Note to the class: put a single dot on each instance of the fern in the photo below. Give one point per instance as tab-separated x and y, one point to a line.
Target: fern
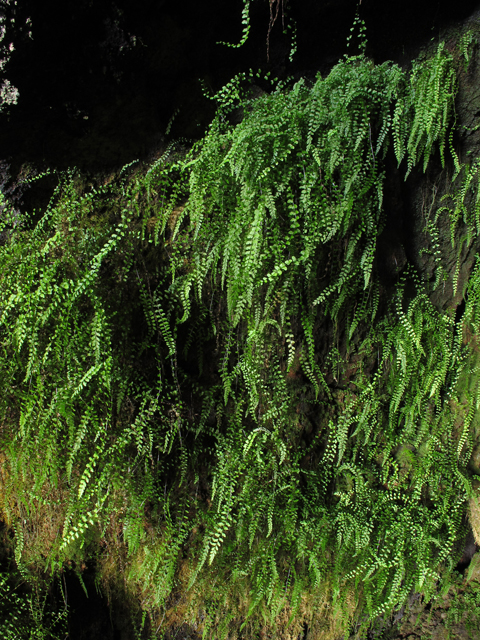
181	375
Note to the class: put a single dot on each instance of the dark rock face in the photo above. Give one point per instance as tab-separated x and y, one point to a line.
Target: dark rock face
424	194
469	550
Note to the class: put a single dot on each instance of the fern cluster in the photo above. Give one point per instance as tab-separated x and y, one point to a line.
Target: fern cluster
169	346
23	616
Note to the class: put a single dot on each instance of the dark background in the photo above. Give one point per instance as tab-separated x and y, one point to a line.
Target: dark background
100	80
